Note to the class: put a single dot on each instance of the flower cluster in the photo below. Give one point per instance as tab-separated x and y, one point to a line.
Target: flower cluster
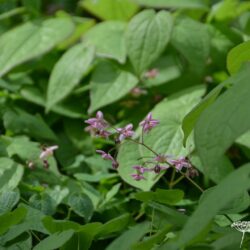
160	162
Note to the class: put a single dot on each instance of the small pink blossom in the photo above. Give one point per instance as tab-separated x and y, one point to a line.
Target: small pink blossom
105	155
125	132
48	152
162	158
180	163
137	177
141	169
98	122
137	91
115	164
148	123
151	73
157	168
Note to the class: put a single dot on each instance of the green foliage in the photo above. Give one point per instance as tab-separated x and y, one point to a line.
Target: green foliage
180	180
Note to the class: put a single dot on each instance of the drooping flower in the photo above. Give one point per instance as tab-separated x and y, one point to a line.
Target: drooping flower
140	169
125	132
115	164
162	158
105	155
158	168
148	123
137	91
48	152
192	172
180	163
98	122
151	73
137	177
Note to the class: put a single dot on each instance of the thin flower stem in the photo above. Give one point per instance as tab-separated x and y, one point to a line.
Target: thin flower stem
142	135
35	236
172	178
171	185
144	145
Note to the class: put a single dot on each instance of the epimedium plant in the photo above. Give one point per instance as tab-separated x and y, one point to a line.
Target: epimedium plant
178	70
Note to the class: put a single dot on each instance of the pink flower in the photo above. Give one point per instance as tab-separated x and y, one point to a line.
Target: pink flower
105	155
125	132
137	177
141	169
162	158
137	91
48	152
180	163
157	168
151	73
148	123
98	122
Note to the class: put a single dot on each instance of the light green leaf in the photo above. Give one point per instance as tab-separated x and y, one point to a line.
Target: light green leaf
11	218
30	40
10	174
194	48
237	56
147	36
81	205
68	72
182	4
166	138
108	39
111	9
244	140
221	124
8	200
169	197
109	83
225	192
54	241
129	237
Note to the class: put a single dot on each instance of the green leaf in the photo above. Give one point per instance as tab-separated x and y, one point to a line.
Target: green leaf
183	4
21	122
169	197
191	118
166	138
8	200
23	242
237	56
109	83
54	241
221	124
115	225
147	36
225	192
194	48
111	9
108	39
129	237
150	242
11	174
244	140
31	40
68	72
238	205
11	218
81	205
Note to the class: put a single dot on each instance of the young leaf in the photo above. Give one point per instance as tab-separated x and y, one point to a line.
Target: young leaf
108	39
30	40
109	83
111	9
68	72
147	36
54	241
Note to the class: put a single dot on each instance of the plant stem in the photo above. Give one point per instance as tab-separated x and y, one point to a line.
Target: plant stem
172	178
171	185
144	145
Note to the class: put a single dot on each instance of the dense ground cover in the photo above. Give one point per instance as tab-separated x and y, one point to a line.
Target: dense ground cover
160	88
